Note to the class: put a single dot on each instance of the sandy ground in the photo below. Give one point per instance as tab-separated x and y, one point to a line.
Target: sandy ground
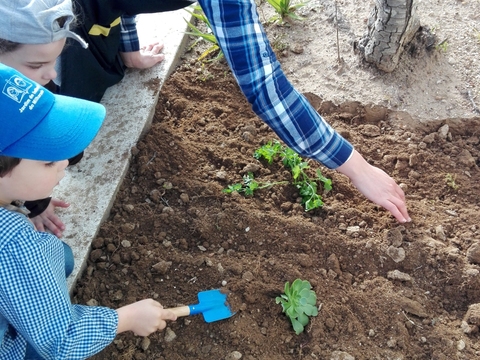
443	83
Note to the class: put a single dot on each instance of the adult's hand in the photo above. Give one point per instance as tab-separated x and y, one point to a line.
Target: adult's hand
147	57
376	185
48	220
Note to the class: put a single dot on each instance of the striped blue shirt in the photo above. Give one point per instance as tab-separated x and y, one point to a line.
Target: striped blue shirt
128	34
35	304
243	40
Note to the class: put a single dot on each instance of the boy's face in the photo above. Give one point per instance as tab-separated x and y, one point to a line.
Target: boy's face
36	62
31	180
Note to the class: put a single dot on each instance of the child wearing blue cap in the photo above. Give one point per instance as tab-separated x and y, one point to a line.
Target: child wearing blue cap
37	320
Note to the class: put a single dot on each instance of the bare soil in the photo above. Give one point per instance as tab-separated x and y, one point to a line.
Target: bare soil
385	290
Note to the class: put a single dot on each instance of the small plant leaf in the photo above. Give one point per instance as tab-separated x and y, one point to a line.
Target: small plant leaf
310	310
302	319
297	326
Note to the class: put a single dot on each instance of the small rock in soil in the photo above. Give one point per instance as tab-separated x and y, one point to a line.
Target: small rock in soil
127	228
92	302
169	335
250	168
353	231
185	198
248	276
341	355
472	316
412	307
398	275
145	343
394	237
473	253
234	355
334	264
440	233
162	266
96	254
397	254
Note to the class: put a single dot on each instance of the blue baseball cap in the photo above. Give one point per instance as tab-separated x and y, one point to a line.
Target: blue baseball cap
38	125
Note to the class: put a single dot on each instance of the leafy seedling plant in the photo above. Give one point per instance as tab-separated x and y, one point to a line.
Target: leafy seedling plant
285	9
249	185
291	160
450	180
206	36
298	303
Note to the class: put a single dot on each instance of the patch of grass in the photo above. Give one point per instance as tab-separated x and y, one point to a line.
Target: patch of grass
285	9
205	36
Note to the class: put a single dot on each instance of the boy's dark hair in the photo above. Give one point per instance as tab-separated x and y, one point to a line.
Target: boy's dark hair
7	163
7	46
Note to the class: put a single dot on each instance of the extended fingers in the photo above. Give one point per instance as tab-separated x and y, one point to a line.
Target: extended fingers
59	203
396	205
154	49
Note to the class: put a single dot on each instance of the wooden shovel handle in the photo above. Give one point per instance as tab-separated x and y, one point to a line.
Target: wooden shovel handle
181	311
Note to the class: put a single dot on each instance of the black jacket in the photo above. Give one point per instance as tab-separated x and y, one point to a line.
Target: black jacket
87	73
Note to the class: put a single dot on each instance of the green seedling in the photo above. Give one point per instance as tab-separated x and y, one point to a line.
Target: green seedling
291	160
306	186
268	151
442	46
250	185
284	10
206	36
298	303
450	180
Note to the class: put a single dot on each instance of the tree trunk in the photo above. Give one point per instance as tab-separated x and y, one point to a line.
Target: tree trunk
392	24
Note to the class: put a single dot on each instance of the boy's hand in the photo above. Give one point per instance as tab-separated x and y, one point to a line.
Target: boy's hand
147	57
48	220
143	317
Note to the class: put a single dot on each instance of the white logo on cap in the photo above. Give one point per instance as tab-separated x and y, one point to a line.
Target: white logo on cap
16	88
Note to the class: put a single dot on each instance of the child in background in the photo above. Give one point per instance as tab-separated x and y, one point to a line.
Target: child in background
37	320
132	55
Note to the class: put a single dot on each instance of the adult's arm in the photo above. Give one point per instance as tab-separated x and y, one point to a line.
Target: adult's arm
247	50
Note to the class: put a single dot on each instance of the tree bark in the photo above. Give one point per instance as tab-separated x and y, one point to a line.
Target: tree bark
391	25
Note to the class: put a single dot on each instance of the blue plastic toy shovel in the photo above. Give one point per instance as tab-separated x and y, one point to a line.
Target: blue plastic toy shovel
212	304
